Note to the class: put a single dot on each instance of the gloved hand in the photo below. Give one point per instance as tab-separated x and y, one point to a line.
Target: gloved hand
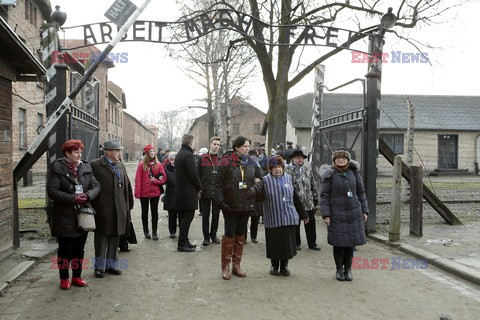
225	207
80	198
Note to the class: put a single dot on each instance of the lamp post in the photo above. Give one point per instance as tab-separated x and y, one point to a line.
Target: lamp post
370	124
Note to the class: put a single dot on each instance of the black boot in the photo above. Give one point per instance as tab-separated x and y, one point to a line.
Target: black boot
274	268
348	255
338	257
284	268
348	274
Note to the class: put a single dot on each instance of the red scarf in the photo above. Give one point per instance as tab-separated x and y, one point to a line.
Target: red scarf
72	167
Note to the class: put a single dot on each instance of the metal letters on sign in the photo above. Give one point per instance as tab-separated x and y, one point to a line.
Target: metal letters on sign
220	19
120	11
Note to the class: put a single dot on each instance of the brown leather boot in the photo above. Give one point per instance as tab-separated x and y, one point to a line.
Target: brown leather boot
237	256
227	250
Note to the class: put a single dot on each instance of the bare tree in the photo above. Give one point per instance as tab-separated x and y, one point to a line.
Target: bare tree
207	65
171	125
280	64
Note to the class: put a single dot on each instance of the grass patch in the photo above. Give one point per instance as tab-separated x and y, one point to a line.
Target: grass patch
31	203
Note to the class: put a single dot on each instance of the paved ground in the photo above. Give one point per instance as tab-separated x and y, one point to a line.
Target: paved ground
161	283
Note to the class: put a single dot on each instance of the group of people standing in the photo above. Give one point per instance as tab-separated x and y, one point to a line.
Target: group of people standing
234	183
102	185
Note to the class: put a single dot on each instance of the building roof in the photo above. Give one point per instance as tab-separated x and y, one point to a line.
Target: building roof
298	109
431	112
138	122
116	92
17	54
236	103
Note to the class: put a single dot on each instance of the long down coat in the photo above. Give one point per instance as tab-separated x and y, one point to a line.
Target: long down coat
347	227
61	190
188	180
169	198
113	205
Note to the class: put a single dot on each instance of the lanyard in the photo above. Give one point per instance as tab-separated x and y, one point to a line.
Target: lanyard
344	174
242	171
213	163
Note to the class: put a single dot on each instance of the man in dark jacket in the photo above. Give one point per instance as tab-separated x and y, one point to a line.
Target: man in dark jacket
188	191
207	169
112	208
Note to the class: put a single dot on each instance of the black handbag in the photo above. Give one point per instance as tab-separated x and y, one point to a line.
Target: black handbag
132	237
162	190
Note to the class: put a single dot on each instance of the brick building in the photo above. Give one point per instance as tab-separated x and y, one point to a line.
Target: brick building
17	63
28	112
136	136
246	121
116	104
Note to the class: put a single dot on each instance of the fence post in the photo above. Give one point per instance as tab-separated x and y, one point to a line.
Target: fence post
394	230
416	198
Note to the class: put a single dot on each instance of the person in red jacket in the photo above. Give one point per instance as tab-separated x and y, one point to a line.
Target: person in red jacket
149	178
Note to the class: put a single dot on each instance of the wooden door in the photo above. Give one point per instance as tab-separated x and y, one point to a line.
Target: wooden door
448	152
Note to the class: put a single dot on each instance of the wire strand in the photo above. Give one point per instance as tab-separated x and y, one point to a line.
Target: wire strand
423	162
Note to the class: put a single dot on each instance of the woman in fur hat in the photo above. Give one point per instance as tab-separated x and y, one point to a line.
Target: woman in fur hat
344	209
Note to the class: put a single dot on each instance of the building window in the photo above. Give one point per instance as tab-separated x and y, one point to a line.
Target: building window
32	11
22	128
256	129
35	17
236	128
27	7
394	141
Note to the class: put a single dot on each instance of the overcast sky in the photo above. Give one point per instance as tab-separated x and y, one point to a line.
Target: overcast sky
152	81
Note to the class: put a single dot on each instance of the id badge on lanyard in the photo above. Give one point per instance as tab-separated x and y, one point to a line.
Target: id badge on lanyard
78	189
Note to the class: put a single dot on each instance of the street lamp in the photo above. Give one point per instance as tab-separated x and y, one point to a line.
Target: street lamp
388	20
371	118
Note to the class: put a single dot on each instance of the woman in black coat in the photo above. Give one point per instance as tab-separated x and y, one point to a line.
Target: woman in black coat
236	174
344	209
169	196
70	184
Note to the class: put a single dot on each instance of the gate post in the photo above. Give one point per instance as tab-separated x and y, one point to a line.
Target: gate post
370	128
416	200
315	159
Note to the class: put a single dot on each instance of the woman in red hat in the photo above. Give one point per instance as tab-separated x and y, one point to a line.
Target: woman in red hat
149	178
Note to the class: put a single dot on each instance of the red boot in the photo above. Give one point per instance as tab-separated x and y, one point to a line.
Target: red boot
79	282
64	284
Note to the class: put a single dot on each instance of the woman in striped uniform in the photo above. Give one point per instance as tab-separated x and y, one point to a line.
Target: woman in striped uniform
282	209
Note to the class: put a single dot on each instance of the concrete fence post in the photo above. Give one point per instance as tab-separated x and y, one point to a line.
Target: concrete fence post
395	208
